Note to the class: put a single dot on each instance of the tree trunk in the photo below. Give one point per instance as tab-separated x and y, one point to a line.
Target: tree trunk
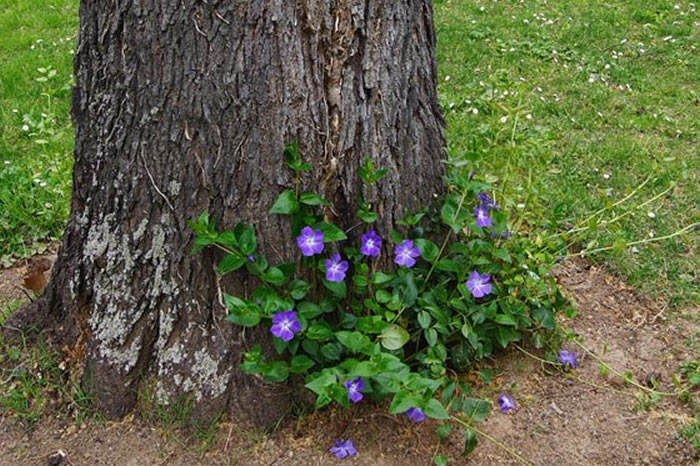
185	106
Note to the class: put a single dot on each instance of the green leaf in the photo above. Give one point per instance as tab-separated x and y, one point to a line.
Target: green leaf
440	460
394	337
403	401
431	336
285	204
354	341
321	381
319	332
274	275
370	324
339	289
408	292
229	264
242	312
505	319
470	441
298	289
330	232
300	363
275	371
428	250
382	296
443	431
291	155
332	351
244	317
545	317
246	240
435	410
506	335
424	319
366	216
364	369
309	310
381	278
476	409
312	199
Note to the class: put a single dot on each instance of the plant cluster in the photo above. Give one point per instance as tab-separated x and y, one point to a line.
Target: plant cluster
355	330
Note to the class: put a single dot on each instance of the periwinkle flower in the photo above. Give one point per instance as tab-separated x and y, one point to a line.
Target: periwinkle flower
568	358
406	253
506	403
415	414
310	241
482	216
371	243
343	449
478	284
486	201
285	325
335	268
354	388
505	234
251	258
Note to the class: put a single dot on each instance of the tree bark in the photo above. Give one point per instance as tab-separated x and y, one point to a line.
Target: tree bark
185	106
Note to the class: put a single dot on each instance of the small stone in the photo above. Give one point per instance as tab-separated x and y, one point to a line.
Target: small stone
57	458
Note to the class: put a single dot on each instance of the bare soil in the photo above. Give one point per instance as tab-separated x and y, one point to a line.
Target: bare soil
592	420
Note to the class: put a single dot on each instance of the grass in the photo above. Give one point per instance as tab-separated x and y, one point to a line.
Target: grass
33	380
36	136
568	106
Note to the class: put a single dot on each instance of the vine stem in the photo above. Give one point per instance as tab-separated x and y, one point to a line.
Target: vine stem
600	211
447	238
523	350
620	374
493	440
641	241
595	385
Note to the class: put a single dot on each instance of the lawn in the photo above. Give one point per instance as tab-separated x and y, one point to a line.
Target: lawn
567	106
572	105
36	136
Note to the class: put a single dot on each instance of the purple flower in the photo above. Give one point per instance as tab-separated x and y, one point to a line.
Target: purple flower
568	358
342	449
415	414
482	216
505	234
506	403
371	242
471	175
478	284
285	325
486	201
251	258
310	241
335	269
355	388
406	253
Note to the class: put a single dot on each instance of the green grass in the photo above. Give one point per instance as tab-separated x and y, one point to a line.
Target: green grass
600	96
32	380
569	106
36	136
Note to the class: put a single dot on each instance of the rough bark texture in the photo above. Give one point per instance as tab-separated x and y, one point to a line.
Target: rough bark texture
185	106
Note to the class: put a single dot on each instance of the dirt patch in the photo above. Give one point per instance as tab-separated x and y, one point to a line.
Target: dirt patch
27	278
561	421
